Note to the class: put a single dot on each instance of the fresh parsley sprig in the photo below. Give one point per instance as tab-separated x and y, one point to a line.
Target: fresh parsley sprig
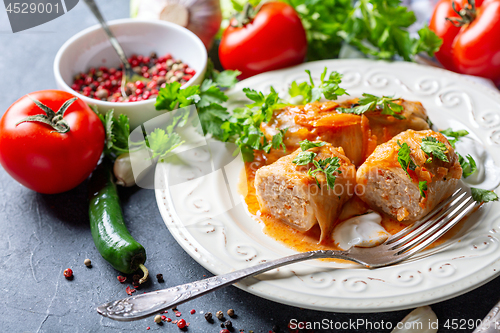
329	87
208	98
328	166
454	136
480	195
468	165
243	125
370	103
433	147
117	132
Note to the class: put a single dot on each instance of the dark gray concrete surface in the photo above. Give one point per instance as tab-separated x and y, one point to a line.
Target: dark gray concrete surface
41	235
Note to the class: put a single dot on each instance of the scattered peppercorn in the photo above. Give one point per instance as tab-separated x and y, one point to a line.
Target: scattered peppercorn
169	320
157	319
224	331
276	328
222	325
159	277
193	311
178	314
181	323
68	273
87	262
148	328
219	315
208	316
122	279
230	313
228	324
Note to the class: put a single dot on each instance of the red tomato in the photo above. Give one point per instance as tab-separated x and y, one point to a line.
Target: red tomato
43	159
473	48
273	39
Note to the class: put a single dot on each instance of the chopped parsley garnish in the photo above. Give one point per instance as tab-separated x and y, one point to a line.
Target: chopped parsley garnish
480	195
306	144
327	166
454	136
311	93
370	102
404	158
422	187
434	147
468	165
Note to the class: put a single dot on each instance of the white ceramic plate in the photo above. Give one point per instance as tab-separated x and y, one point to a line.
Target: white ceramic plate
199	202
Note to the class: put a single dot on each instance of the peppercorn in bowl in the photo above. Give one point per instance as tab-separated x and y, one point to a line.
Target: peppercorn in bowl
159	52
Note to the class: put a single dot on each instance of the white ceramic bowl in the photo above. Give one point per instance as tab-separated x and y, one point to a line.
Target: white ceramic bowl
91	48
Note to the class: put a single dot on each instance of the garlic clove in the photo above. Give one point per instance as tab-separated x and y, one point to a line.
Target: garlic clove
420	320
175	13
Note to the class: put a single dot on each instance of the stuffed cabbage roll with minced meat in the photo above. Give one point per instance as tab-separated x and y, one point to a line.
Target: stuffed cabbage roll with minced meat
307	187
409	175
357	134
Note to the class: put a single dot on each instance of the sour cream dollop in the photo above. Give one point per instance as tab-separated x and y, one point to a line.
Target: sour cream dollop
363	230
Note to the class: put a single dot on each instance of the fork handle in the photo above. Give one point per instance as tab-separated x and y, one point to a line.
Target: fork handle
141	306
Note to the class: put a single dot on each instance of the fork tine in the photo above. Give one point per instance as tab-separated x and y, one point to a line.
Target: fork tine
417	224
446	224
427	222
433	226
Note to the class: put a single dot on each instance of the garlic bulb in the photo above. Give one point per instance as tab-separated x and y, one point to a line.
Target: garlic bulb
202	17
421	320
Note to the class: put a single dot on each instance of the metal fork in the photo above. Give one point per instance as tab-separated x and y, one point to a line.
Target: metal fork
396	248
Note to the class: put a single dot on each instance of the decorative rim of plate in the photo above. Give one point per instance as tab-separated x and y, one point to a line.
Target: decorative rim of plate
426	280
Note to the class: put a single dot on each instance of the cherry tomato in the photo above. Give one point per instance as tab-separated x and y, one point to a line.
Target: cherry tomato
46	158
472	48
274	38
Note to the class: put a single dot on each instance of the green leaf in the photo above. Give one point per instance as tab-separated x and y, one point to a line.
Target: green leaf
454	136
227	79
379	28
469	166
210	93
370	102
167	97
422	186
161	142
304	158
481	196
404	158
303	89
434	147
277	140
306	144
428	42
237	6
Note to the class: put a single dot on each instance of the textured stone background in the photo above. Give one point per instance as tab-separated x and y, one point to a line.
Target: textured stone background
41	235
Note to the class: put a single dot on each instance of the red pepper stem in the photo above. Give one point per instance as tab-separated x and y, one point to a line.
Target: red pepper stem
146	273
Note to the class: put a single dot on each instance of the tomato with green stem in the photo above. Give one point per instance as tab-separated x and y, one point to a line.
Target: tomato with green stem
50	141
268	37
470	31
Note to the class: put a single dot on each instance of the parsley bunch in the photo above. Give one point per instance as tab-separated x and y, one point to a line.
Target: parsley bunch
208	99
381	30
328	166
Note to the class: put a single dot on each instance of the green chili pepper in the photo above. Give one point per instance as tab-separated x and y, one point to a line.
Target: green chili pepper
111	237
